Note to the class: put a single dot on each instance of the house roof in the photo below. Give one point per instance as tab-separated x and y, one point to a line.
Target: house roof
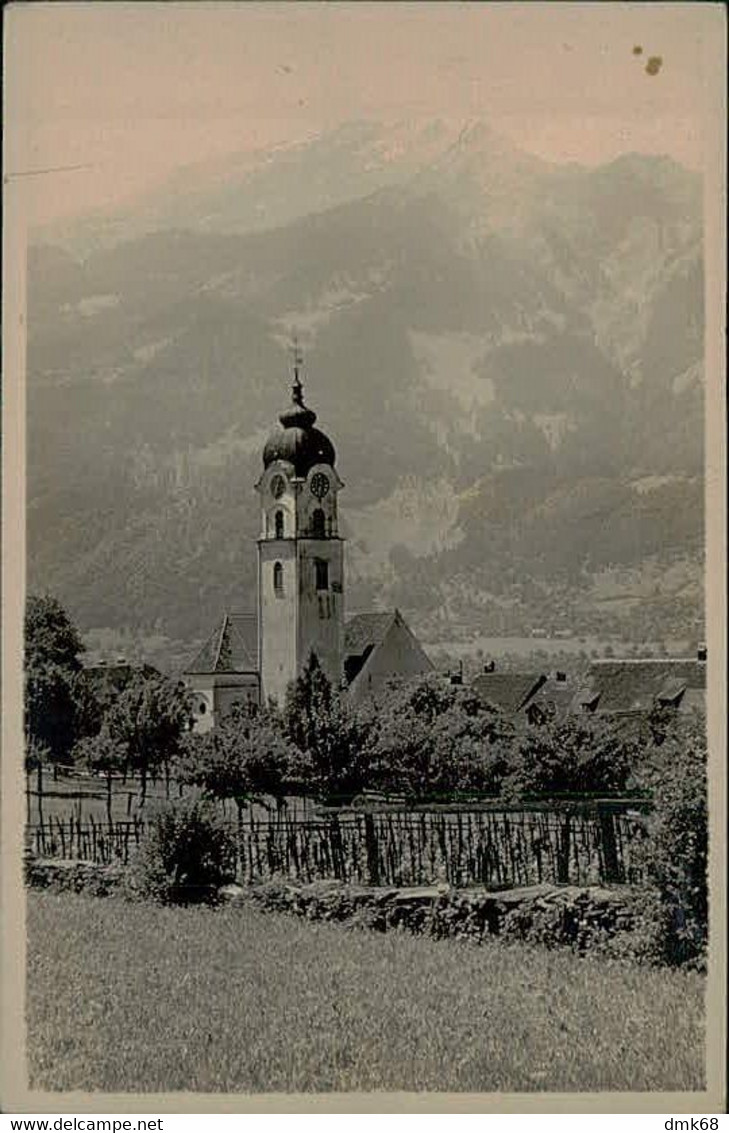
231	648
562	694
636	685
117	674
363	631
586	698
508	691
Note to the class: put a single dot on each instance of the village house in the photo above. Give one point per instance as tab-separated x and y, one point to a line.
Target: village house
536	696
630	686
614	687
507	691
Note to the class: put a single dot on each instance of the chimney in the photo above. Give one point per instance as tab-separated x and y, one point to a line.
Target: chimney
560	676
490	667
701	652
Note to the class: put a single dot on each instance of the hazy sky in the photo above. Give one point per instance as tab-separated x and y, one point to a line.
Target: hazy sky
133	91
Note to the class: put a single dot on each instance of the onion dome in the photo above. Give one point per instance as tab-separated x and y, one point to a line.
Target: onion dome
297	441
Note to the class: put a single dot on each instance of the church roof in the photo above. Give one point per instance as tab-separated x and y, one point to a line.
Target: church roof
365	635
231	648
363	631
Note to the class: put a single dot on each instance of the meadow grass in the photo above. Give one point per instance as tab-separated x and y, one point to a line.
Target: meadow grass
128	997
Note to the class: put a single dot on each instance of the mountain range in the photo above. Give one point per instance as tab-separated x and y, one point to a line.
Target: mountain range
507	354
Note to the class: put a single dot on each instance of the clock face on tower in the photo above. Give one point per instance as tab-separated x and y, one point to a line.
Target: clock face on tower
319	485
278	487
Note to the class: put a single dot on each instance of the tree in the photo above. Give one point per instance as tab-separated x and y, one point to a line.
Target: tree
329	733
574	755
148	721
246	757
433	739
309	700
50	636
89	705
36	754
102	754
50	713
57	704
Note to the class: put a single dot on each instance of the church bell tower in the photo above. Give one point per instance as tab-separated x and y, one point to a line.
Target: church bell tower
300	552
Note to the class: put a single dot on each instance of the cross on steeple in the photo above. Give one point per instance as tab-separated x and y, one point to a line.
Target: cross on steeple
297	356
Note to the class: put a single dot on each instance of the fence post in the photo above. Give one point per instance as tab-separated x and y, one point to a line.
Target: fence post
613	869
373	857
335	847
563	851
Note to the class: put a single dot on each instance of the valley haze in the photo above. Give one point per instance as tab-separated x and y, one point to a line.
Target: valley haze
507	352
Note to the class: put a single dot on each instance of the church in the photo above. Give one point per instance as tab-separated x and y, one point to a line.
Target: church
301	590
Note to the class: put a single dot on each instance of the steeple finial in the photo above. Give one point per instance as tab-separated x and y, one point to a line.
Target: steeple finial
297	390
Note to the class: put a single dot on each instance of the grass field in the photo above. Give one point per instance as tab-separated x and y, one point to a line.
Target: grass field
131	997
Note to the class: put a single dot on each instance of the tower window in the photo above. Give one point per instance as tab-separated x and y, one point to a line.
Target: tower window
279	524
322	574
278	578
318	524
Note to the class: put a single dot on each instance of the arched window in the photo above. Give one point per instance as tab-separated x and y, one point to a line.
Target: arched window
318	524
278	578
279	524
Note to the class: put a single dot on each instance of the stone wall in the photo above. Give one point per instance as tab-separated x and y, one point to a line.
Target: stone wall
62	876
583	919
552	916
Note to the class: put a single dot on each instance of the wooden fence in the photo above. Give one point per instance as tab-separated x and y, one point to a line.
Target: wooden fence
87	841
495	849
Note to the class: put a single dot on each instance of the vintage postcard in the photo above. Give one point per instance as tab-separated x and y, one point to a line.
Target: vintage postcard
364	617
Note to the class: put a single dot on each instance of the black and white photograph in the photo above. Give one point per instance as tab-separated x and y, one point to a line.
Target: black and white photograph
364	690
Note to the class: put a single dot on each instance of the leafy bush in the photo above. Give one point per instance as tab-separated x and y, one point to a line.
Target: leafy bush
676	849
185	855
